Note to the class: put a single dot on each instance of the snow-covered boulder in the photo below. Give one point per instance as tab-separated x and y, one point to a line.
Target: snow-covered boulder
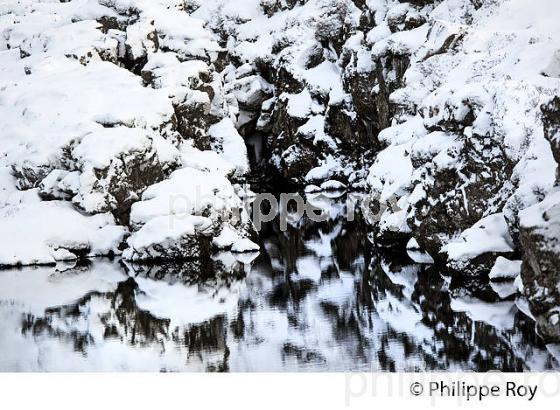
539	227
40	233
227	141
116	165
505	269
179	218
85	103
476	249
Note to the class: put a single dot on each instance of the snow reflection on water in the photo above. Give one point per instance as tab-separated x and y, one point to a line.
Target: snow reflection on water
316	298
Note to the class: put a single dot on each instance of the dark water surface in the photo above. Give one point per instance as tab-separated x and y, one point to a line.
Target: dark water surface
316	298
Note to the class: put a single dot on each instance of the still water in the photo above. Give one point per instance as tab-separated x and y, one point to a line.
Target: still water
318	297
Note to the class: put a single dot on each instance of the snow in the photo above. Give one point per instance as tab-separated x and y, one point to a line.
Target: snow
248	90
300	105
539	215
85	99
207	161
324	171
401	42
164	232
176	213
244	245
412	128
505	269
518	283
44	232
99	148
227	237
314	129
230	144
322	79
490	234
172	74
187	191
431	145
392	171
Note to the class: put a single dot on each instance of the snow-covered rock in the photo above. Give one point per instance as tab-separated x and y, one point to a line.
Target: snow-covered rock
46	232
477	248
101	100
416	92
505	269
179	218
540	237
228	142
540	241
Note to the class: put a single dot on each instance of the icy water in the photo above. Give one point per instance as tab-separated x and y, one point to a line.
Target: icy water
317	298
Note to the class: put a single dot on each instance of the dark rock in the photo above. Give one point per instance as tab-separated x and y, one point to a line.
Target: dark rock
29	175
192	119
286	82
540	270
539	237
452	205
315	57
284	126
297	161
551	123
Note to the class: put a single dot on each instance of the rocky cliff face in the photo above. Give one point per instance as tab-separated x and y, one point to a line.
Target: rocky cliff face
445	112
439	100
114	115
540	242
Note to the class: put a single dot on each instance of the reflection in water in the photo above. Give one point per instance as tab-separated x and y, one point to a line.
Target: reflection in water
317	297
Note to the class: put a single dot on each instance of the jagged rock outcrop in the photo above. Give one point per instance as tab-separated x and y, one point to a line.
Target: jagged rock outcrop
540	241
540	272
413	88
454	158
551	124
114	95
288	83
